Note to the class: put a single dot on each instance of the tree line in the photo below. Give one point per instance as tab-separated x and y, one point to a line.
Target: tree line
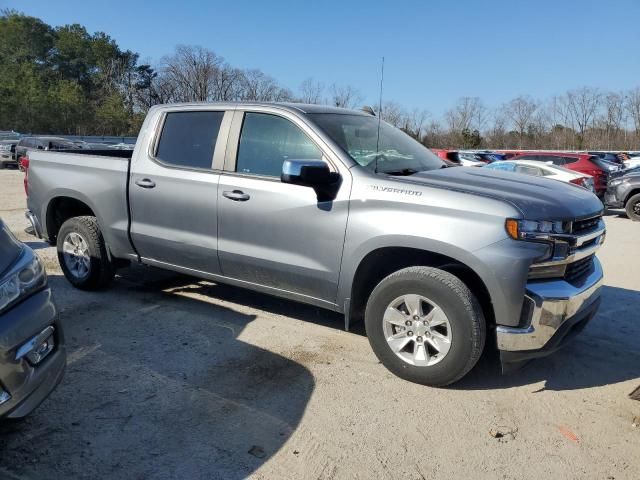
66	80
582	118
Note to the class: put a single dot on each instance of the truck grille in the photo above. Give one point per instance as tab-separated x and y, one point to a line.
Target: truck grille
578	269
585	225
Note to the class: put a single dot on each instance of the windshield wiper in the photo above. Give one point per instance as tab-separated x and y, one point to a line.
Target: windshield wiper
405	172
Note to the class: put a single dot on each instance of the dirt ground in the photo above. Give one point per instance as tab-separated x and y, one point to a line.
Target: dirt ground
171	377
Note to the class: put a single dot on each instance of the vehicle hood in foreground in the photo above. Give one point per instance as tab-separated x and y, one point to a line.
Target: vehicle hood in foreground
537	198
10	249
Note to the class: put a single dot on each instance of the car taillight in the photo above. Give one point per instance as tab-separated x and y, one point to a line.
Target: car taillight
24	162
579	181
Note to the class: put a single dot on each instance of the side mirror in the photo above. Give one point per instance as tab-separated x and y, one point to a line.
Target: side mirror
312	173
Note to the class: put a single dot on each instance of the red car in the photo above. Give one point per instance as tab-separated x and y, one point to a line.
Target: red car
578	162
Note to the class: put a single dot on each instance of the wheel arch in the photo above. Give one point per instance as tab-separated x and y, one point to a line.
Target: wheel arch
634	191
62	207
381	261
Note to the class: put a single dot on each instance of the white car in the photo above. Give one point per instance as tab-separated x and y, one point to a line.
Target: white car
632	162
544	169
468	159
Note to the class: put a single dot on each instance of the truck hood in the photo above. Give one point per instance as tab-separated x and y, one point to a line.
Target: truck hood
10	249
537	198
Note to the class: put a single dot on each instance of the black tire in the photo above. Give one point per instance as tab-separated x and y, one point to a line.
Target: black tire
101	270
2	166
467	323
633	208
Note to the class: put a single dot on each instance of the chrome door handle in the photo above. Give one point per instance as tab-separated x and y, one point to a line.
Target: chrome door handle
146	183
236	195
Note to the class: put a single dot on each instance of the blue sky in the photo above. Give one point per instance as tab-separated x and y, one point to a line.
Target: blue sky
436	51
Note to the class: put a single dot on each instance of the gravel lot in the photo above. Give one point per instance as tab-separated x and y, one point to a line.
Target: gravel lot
170	377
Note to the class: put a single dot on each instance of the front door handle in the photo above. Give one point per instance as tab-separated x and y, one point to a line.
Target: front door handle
236	195
146	183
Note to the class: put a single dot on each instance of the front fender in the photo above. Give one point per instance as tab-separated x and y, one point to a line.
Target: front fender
502	266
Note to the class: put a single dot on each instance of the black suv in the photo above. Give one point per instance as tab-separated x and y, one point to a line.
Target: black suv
624	192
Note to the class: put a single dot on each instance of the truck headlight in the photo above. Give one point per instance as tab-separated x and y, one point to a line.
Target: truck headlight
26	276
617	181
535	229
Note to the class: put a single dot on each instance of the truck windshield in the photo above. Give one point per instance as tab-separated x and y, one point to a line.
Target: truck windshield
396	152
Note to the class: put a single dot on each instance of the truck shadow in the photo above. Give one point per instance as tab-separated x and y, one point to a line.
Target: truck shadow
606	352
173	284
159	387
616	212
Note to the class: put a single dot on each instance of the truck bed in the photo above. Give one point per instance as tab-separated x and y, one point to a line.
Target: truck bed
103	152
98	178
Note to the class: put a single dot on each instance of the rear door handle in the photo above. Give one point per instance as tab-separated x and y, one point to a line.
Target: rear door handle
236	195
146	183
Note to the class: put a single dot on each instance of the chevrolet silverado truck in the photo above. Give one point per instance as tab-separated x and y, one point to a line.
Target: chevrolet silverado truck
334	208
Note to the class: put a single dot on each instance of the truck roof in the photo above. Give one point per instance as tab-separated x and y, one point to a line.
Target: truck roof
297	107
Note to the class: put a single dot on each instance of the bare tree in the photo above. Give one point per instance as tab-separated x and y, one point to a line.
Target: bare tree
415	122
259	87
434	136
633	108
612	117
520	111
393	114
191	72
227	84
497	132
311	91
582	106
468	114
345	96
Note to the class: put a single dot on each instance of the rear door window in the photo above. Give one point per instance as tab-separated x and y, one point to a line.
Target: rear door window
504	166
528	170
267	141
556	160
188	139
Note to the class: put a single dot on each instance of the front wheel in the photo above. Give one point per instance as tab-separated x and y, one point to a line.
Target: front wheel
633	208
82	254
425	326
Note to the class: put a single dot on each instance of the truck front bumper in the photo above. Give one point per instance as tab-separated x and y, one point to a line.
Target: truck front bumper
612	200
23	386
557	311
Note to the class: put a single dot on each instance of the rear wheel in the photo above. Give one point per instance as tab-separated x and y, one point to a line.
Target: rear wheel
82	254
633	208
425	326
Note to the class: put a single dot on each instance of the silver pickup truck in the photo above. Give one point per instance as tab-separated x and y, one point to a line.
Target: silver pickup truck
334	208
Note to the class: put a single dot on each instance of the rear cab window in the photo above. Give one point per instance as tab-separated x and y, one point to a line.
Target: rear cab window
188	139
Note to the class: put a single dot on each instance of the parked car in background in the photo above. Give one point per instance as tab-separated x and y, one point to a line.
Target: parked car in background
28	144
509	154
464	159
490	157
32	351
467	159
632	161
624	192
611	157
9	135
547	170
381	230
8	153
578	162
